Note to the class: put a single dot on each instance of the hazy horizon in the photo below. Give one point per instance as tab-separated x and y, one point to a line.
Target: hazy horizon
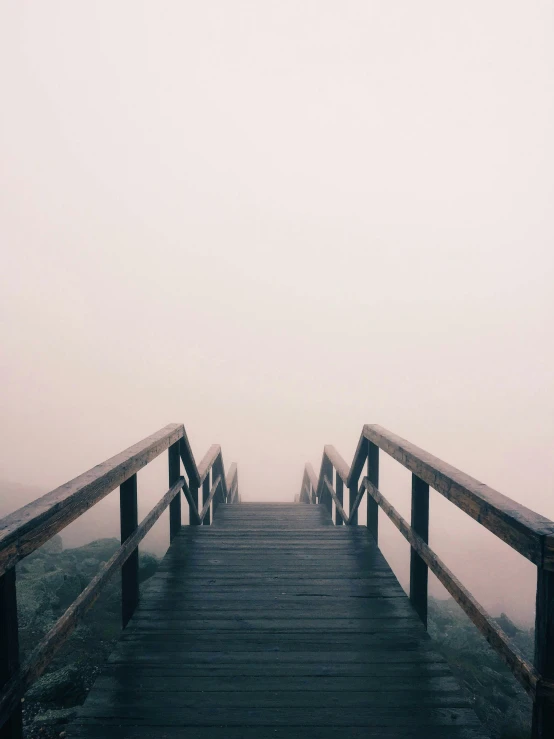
275	222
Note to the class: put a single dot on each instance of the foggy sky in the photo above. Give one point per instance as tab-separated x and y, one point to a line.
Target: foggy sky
275	222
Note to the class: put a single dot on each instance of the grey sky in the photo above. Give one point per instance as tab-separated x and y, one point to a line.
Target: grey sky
275	221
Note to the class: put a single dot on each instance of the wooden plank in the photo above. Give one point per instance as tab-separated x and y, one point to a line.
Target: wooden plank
373	477
174	468
543	709
326	671
415	682
418	569
339	520
497	638
206	487
365	714
50	644
128	506
11	726
154	703
31	526
113	730
131	655
512	522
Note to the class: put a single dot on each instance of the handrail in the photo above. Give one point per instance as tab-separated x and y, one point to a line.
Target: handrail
529	533
42	654
34	524
28	528
524	530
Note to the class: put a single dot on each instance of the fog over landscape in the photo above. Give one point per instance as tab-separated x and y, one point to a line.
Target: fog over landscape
275	222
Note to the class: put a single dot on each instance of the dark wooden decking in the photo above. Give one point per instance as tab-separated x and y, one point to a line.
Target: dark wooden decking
274	623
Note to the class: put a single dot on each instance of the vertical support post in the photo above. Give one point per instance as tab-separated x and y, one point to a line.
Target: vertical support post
418	569
205	495
128	508
9	649
217	471
373	476
340	495
543	708
174	462
327	469
194	495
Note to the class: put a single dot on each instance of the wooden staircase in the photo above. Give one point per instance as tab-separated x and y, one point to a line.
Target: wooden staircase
277	620
275	623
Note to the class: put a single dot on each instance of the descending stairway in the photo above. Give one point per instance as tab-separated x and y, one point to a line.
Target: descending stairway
274	623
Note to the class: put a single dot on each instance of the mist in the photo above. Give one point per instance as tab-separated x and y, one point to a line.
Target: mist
275	222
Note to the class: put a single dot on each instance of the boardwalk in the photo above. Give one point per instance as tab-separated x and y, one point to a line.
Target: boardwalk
274	623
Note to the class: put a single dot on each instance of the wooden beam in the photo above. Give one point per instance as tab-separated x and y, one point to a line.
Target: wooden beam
543	709
130	569
174	465
340	520
496	637
418	569
42	654
205	495
31	526
525	531
373	476
9	651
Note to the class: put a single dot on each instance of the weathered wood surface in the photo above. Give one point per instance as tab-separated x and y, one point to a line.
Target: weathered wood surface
9	649
497	638
52	642
526	531
419	573
543	709
128	503
31	526
274	623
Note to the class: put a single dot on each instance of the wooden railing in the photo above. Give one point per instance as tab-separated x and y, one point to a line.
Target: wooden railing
33	525
527	532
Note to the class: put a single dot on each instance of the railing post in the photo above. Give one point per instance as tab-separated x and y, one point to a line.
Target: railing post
373	476
193	487
130	569
205	495
418	568
340	495
327	470
174	460
9	649
543	709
